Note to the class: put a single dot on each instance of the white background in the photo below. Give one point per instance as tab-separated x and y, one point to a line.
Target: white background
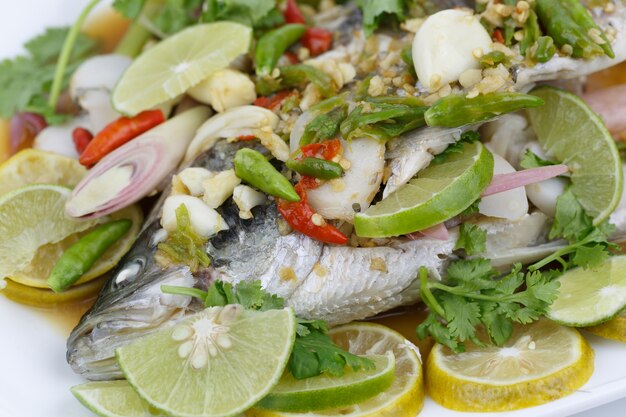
20	388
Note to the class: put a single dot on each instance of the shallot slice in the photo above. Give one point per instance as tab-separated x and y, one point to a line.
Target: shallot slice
505	182
438	231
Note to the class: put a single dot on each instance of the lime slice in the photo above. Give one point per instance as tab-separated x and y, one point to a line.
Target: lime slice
325	391
591	296
405	396
573	134
613	329
111	399
540	363
176	64
439	192
37	271
44	298
218	362
31	217
32	166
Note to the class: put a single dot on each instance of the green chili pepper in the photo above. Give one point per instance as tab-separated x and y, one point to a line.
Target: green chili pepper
532	32
545	49
561	21
458	110
252	167
492	59
295	76
361	91
316	167
581	16
385	121
81	256
273	45
324	126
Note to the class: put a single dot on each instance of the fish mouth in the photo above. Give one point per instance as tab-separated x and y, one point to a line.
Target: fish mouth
144	309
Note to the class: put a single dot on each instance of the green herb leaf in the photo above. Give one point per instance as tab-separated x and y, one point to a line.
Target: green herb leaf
471	238
314	353
531	160
324	126
129	8
376	11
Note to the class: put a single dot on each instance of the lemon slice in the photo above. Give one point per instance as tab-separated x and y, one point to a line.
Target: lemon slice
216	363
111	399
32	166
591	296
31	217
404	398
540	363
613	329
36	273
44	298
438	193
573	134
177	63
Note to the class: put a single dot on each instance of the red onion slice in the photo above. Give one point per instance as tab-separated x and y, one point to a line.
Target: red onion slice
505	182
438	231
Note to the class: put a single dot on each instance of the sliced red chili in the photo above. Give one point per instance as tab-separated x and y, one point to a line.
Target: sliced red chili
299	215
117	133
292	57
317	40
246	138
273	101
327	149
497	36
292	13
81	138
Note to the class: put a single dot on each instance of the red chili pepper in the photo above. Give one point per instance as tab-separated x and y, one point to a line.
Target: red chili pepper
299	216
81	138
246	138
273	101
117	133
292	13
327	149
293	58
317	40
497	36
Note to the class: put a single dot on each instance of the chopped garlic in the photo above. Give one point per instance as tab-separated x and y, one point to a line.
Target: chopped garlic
219	187
204	220
225	89
444	45
193	179
246	199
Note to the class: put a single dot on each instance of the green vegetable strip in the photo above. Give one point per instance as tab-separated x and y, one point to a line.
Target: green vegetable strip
273	45
532	32
316	167
564	30
545	49
458	110
324	126
296	76
581	16
133	41
82	255
66	52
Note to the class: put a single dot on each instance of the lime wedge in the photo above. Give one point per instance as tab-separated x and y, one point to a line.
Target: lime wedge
326	391
405	396
176	64
573	134
591	296
111	399
31	217
439	192
218	362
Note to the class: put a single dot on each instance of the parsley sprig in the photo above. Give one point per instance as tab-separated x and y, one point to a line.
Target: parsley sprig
314	353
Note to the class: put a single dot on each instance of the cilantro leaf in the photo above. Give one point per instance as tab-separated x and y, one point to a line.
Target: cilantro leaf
129	8
472	209
531	160
471	238
376	11
250	295
590	256
457	147
25	81
315	353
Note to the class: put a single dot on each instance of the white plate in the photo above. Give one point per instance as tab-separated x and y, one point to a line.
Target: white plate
35	379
